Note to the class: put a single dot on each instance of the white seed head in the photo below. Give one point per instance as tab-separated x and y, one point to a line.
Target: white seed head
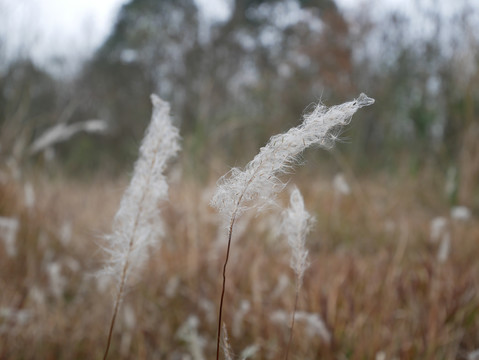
226	344
249	352
57	281
296	225
239	316
129	317
63	132
438	227
29	195
460	213
315	325
8	231
258	183
188	332
444	248
137	223
473	355
340	185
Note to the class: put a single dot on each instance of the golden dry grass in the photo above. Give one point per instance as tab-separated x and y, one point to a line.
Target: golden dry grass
375	278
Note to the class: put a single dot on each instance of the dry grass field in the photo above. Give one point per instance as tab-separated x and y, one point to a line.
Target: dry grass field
379	287
201	248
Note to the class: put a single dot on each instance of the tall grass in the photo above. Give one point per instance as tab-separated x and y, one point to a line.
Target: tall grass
384	282
374	279
137	224
259	183
296	225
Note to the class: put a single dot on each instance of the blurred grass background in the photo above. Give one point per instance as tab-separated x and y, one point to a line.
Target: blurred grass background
385	285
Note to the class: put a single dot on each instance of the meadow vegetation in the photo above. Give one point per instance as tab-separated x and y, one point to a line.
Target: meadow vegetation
378	285
388	270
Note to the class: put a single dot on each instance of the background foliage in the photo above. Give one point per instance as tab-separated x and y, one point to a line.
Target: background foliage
394	271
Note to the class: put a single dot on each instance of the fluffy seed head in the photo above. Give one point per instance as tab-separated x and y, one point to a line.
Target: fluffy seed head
258	183
296	224
137	222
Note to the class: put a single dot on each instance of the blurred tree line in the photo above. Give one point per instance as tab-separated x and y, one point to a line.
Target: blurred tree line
233	83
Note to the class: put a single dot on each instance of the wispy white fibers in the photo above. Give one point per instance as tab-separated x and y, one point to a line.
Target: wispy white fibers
63	132
188	332
258	183
226	344
8	231
315	325
137	223
296	225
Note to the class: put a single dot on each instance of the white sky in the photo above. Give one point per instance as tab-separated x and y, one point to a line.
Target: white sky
74	28
56	28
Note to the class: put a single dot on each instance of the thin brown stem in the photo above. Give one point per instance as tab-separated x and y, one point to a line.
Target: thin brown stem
126	266
230	233
113	319
292	323
124	273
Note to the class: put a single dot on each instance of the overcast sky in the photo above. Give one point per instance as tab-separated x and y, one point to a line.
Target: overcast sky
48	28
74	28
67	28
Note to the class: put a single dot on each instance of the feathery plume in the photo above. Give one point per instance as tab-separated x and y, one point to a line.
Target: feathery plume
188	332
226	344
249	352
137	223
296	224
257	185
315	325
63	132
8	231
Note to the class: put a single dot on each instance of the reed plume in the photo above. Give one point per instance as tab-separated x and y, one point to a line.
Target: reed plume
296	224
137	224
257	185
